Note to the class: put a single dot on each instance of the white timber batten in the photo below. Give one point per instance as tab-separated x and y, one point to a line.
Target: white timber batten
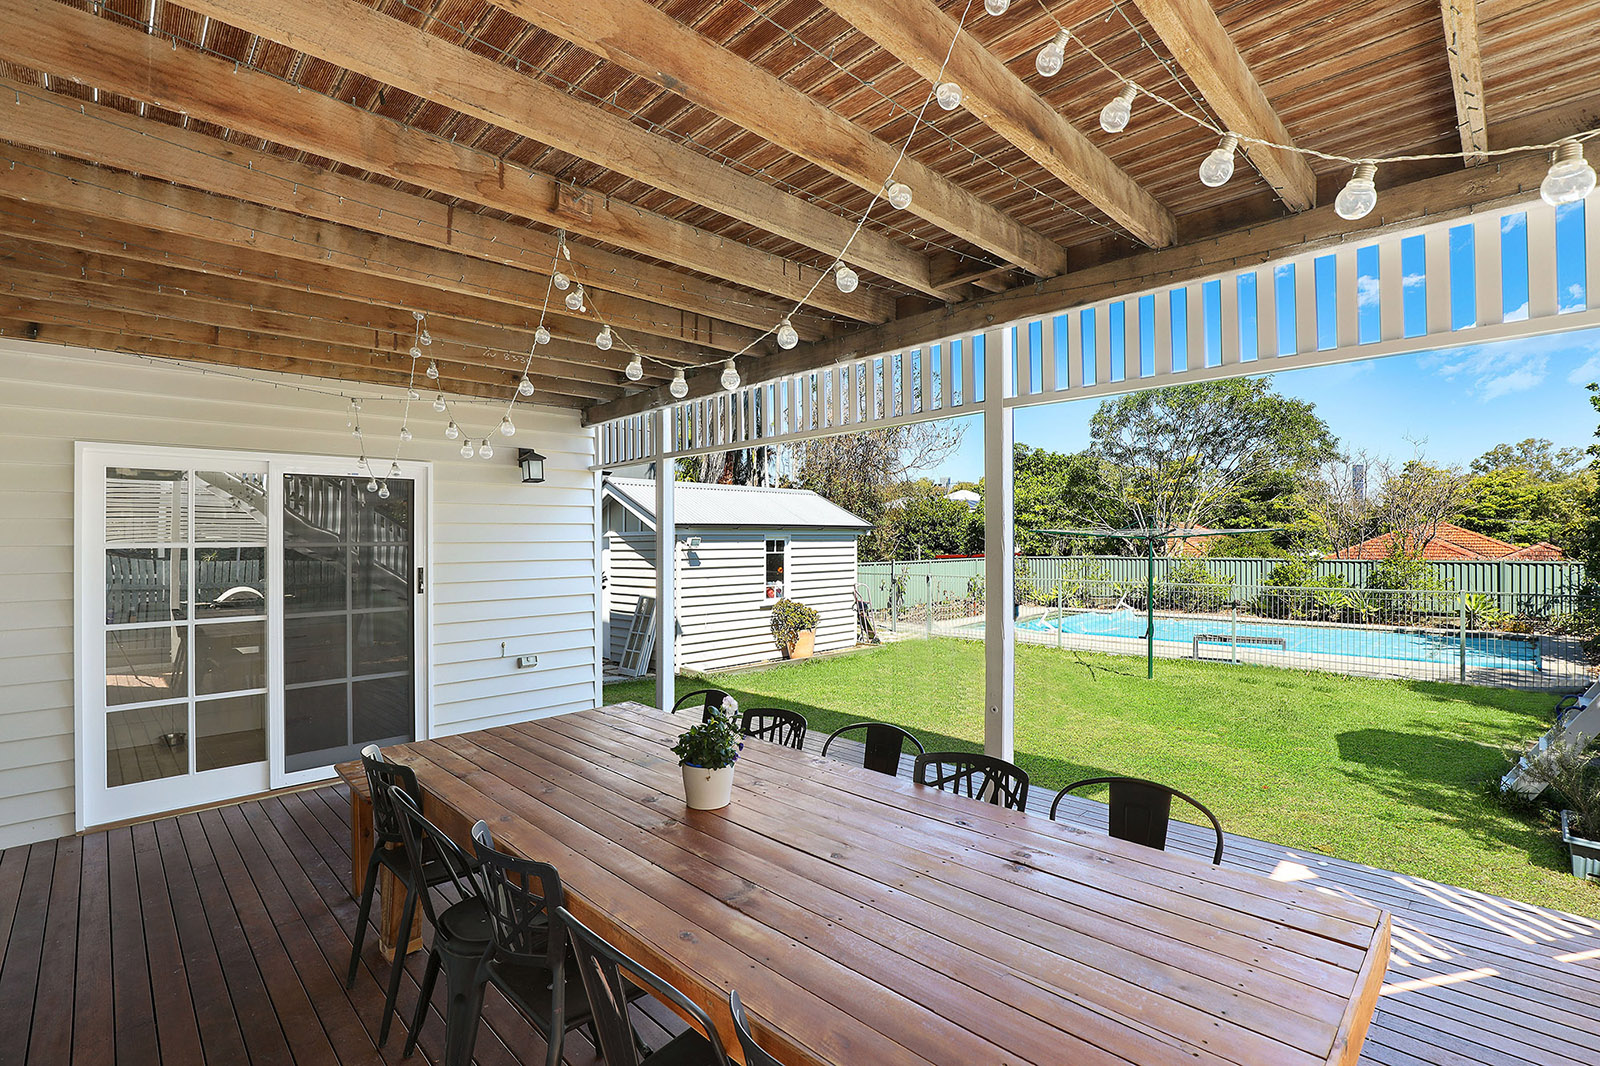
1000	636
1256	320
666	577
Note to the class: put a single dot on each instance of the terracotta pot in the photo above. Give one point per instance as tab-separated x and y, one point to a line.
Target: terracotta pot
707	790
805	642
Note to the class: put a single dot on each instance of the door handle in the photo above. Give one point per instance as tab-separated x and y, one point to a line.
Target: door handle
422	586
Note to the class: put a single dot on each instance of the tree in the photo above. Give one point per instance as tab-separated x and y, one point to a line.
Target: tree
1051	491
1416	499
1179	456
858	471
1339	500
924	524
1536	456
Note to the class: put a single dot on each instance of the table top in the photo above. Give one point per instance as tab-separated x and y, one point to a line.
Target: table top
866	919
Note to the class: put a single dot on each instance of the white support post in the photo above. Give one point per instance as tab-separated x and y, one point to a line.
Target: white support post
999	675
666	579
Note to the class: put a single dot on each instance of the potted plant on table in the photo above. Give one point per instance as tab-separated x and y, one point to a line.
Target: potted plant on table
794	627
706	753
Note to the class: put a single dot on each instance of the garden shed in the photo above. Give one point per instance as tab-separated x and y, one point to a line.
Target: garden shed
739	550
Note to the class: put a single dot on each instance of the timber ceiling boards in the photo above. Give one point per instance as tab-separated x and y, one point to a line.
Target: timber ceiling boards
370	153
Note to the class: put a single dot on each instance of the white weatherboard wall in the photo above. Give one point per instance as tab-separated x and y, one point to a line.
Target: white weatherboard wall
509	562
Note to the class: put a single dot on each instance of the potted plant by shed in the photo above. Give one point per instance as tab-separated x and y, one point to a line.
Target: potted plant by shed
794	627
1568	768
706	753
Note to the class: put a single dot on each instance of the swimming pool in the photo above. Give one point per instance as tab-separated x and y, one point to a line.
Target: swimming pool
1355	642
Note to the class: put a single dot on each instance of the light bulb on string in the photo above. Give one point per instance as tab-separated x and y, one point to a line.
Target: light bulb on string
525	387
417	316
355	429
383	491
845	278
413	394
372	484
466	448
574	300
541	336
680	386
425	337
1114	116
439	404
561	281
394	468
1570	177
948	95
787	336
996	7
1217	167
405	435
452	431
635	368
506	428
602	340
898	194
415	353
1359	195
730	376
1053	55
433	370
486	450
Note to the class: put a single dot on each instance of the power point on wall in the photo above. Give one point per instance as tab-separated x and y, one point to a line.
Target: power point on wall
525	662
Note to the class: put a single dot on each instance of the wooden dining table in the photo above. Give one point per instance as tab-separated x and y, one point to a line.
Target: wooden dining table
864	919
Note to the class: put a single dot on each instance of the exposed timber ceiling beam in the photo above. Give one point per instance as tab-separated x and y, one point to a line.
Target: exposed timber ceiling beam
77	45
59	182
919	34
1466	76
651	43
1201	45
1435	199
425	64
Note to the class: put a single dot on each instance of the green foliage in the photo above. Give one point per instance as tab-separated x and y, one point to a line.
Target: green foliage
1190	585
922	525
1052	491
1514	504
1537	457
789	619
1403	573
711	745
1483	611
1294	591
1566	767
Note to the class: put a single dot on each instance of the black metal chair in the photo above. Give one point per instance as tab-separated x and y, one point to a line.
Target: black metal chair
602	967
1140	810
754	1053
460	933
884	744
979	777
710	700
777	724
389	852
529	955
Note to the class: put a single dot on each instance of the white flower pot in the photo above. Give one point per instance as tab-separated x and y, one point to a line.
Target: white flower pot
707	790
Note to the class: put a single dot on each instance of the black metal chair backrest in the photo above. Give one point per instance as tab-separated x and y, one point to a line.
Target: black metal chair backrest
1140	810
980	777
754	1053
884	744
381	776
521	896
425	841
777	724
709	699
601	967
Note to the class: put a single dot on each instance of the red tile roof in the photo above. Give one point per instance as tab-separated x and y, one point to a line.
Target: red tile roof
1451	543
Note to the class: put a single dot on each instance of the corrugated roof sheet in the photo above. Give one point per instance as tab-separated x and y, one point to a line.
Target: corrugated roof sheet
739	505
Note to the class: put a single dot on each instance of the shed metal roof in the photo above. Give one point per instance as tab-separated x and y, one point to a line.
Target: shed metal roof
737	505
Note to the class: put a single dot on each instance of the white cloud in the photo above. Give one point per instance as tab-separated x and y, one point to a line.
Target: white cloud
1588	371
1572	299
1520	379
1518	313
1492	371
1412	281
1366	292
1511	222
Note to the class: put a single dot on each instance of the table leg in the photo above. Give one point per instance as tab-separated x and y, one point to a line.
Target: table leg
360	840
391	893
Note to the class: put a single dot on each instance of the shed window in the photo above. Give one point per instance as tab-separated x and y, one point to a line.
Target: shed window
777	569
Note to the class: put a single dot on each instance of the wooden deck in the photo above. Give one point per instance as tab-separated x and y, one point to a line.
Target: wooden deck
222	937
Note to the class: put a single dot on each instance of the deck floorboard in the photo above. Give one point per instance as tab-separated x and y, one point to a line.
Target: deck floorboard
222	937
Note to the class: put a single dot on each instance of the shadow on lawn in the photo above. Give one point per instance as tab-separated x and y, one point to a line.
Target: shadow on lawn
1448	778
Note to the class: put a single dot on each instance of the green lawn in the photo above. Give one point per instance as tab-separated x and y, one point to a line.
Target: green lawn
1390	773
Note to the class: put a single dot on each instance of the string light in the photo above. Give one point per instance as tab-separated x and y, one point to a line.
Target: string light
1053	55
425	337
679	387
603	339
525	386
405	435
383	491
1570	178
433	370
996	7
635	368
541	336
452	431
574	300
730	376
845	278
1359	195
1217	167
1115	115
394	468
898	194
506	428
486	450
948	95
439	404
415	353
372	484
788	337
561	281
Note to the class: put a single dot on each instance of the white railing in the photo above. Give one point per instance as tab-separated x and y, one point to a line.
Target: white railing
1435	286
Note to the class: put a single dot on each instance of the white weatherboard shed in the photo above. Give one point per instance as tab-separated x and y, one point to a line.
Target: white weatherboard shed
739	550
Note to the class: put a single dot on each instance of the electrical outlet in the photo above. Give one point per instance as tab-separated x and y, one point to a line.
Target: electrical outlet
525	662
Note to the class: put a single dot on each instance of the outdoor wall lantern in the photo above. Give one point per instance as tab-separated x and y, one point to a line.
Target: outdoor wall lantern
532	466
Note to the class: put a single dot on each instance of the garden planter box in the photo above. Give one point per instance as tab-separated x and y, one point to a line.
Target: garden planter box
805	642
1585	853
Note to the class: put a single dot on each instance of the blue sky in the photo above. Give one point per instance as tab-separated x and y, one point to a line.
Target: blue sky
1459	402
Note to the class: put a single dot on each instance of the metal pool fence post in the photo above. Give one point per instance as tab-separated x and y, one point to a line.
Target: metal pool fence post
894	601
1060	619
1462	672
929	580
1235	634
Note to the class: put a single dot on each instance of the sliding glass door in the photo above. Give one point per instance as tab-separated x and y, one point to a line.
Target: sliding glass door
244	623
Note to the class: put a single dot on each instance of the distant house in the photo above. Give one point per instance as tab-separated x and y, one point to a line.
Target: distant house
739	551
1453	544
966	496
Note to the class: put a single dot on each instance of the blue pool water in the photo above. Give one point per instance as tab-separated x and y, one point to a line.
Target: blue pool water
1483	652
